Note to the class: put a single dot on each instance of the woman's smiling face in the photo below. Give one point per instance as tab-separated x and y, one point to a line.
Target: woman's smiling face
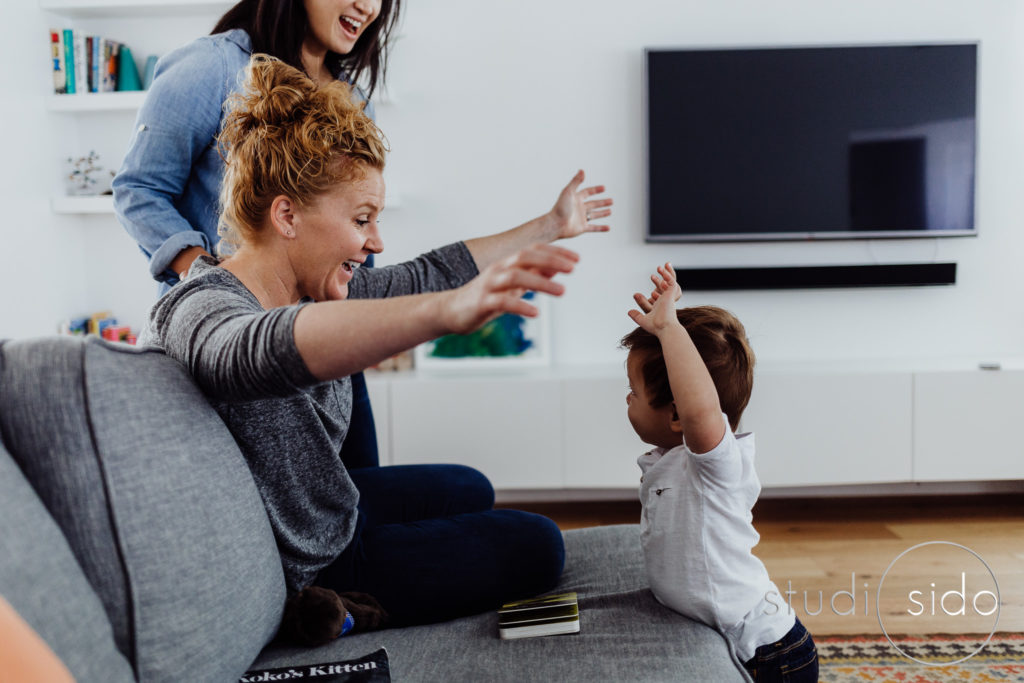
335	233
335	25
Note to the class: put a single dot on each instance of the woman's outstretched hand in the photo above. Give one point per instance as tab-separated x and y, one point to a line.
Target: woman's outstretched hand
574	210
500	287
658	311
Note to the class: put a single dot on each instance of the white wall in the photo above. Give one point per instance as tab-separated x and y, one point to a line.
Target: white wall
497	104
40	273
54	267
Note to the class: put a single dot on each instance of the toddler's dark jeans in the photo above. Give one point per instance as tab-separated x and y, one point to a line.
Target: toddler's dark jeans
794	659
430	547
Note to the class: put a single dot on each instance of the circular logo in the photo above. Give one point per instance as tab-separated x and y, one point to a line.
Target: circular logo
944	586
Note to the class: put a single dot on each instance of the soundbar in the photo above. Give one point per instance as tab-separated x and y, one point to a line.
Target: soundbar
817	277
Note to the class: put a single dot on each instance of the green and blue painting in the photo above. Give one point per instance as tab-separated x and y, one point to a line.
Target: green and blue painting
502	337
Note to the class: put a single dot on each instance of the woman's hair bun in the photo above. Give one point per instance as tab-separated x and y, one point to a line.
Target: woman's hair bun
275	94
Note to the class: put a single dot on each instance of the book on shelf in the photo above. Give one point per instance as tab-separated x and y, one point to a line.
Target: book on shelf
547	615
69	60
60	79
110	52
89	64
91	61
80	65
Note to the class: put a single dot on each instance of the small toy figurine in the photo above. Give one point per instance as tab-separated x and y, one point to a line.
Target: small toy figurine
84	177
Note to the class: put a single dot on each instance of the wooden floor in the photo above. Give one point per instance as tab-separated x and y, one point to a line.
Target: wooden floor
836	557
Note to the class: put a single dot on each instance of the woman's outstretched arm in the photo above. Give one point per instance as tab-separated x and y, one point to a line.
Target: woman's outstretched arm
570	216
338	338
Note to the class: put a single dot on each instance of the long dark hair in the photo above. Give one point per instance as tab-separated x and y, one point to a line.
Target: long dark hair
278	27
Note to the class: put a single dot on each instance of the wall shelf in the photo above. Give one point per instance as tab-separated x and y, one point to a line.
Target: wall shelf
103	204
106	101
133	8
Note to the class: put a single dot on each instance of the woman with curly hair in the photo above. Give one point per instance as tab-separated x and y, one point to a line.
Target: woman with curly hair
272	332
165	194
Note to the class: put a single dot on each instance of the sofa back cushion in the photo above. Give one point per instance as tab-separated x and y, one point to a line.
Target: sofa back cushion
42	581
154	498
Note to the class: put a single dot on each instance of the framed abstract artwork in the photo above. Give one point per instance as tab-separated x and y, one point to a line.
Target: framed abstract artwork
509	341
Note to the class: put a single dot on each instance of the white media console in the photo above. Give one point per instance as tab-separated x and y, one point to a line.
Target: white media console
564	429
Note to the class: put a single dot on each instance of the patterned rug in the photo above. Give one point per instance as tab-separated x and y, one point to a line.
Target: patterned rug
873	659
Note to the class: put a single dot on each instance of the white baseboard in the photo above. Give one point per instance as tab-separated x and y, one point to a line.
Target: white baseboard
930	488
943	488
564	495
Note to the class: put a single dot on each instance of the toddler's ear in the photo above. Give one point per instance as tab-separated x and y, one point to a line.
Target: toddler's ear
676	424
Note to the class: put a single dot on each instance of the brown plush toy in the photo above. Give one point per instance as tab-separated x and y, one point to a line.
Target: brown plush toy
316	615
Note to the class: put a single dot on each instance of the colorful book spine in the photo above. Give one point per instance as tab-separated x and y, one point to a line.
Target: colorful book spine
69	60
96	65
60	83
111	50
81	69
88	61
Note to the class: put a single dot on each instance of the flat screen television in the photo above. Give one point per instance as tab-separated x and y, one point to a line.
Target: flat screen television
841	142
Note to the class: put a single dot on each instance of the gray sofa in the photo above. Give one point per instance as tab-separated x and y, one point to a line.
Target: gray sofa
132	539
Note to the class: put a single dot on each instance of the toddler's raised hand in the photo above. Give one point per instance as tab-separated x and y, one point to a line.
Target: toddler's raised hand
658	312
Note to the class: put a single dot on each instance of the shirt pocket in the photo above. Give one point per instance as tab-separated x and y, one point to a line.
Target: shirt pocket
657	511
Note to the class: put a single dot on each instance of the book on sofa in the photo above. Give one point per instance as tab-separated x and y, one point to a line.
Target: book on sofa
544	616
372	668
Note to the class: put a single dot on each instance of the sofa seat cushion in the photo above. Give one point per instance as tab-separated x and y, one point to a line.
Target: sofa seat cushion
153	497
625	634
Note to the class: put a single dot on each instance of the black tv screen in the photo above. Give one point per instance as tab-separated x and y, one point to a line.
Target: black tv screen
811	142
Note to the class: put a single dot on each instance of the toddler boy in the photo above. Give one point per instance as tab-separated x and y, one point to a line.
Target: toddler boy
690	376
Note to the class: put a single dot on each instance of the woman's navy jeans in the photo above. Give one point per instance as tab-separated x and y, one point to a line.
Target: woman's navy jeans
430	547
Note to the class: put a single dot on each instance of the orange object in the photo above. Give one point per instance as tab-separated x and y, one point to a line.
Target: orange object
94	321
117	333
24	655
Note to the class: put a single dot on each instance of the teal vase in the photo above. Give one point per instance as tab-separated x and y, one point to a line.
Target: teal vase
127	72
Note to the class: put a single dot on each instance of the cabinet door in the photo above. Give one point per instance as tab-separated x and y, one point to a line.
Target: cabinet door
509	428
966	425
601	447
831	428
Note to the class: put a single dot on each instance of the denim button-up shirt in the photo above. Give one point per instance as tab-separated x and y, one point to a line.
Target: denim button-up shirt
167	192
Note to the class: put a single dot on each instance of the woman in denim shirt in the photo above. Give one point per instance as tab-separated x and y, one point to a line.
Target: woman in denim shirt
166	192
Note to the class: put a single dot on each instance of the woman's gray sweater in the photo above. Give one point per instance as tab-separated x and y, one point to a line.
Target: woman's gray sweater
289	425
